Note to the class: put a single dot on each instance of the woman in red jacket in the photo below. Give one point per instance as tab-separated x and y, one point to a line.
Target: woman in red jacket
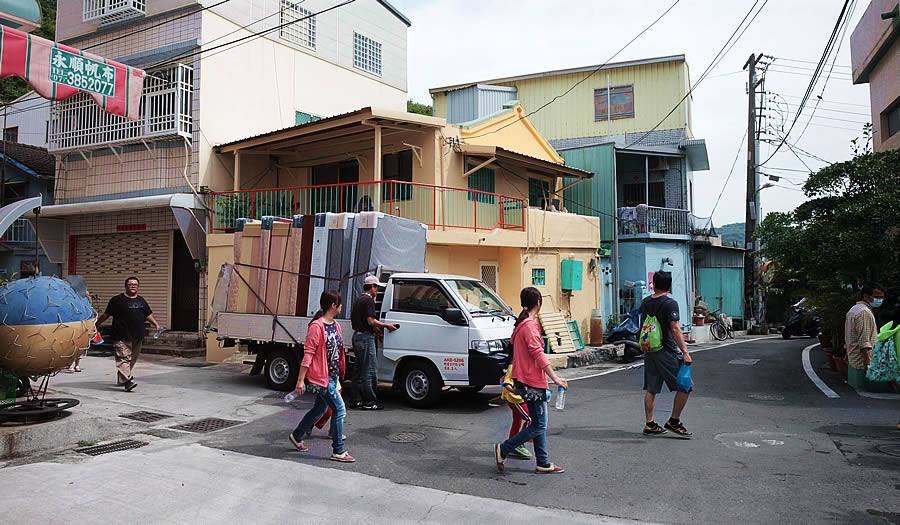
321	369
531	368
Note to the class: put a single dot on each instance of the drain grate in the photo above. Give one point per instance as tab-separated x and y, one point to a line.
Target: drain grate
146	417
115	446
766	397
743	362
890	450
204	426
406	437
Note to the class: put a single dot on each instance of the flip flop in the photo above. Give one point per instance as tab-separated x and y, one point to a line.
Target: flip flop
299	445
498	456
343	457
552	469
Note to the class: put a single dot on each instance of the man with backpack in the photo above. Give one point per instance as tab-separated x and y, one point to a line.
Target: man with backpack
665	352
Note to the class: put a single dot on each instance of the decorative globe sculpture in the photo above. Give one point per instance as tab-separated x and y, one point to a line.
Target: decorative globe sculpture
44	325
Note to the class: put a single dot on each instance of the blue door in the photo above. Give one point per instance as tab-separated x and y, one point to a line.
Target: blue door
722	288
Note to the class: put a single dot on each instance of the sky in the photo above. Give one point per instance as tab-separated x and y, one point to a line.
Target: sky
465	40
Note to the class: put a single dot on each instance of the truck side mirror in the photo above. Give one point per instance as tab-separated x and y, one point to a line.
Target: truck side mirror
455	316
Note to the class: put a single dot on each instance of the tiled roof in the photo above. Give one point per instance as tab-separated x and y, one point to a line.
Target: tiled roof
38	159
663	137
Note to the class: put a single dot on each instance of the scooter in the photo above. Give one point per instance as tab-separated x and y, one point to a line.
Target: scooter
801	322
626	333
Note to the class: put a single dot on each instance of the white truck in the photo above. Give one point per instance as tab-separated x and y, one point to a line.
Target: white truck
454	332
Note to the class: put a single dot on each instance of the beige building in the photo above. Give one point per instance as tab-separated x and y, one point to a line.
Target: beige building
875	56
487	193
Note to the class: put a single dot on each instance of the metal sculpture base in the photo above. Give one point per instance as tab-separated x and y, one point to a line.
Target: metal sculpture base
36	407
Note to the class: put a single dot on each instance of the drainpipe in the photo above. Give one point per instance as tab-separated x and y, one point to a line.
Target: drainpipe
615	250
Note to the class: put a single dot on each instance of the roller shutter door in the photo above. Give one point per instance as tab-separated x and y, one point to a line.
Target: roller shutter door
105	261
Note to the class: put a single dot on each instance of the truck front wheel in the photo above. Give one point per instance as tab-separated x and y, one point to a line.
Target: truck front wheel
421	384
282	369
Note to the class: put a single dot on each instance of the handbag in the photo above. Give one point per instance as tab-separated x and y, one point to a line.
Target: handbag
530	394
884	366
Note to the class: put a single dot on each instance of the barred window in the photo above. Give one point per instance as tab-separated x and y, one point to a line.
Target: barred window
302	32
366	54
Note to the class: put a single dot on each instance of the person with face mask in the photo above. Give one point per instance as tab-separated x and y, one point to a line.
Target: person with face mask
860	330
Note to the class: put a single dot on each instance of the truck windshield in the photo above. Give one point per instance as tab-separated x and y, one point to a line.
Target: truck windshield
478	298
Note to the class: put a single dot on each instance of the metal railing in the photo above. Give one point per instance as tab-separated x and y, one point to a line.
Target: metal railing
79	123
111	11
435	206
20	232
652	220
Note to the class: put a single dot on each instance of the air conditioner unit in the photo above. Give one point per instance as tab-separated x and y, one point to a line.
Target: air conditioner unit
106	12
659	163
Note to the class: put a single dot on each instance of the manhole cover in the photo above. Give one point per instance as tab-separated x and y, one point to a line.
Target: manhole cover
146	417
743	362
890	450
766	397
210	424
406	437
115	446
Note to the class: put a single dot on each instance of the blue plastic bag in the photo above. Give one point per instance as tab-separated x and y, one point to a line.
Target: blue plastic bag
684	381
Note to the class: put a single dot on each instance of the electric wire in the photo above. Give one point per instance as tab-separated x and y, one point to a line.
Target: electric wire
727	179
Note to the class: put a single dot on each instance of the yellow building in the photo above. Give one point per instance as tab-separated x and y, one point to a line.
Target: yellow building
487	192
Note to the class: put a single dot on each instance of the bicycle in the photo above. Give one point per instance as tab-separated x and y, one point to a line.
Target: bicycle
722	328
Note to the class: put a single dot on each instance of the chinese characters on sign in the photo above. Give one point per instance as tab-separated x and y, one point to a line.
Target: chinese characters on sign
82	73
452	364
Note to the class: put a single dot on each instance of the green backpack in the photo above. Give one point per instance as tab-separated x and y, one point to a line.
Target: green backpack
651	334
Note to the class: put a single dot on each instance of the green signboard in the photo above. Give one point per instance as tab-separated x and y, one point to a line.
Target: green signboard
82	73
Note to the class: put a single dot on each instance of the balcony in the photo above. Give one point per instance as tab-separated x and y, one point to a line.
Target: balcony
106	12
650	221
78	123
21	233
435	206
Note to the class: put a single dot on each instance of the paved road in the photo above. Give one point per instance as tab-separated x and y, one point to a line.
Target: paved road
769	446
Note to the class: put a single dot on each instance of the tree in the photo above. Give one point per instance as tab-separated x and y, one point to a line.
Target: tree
12	88
846	233
421	109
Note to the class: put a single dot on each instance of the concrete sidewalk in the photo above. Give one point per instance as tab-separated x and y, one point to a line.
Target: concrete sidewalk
178	483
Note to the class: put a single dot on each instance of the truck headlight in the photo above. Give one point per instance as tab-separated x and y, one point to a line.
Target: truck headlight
487	347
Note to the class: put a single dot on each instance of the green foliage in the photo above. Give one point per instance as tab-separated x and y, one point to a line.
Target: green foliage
847	232
12	88
421	109
732	233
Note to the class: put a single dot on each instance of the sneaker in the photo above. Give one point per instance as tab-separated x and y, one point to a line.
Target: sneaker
371	406
678	428
343	436
498	457
496	402
520	452
298	444
354	405
343	457
130	385
652	429
549	469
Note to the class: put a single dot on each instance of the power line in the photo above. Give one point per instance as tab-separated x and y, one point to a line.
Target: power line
812	82
713	63
809	61
836	102
833	110
589	75
727	179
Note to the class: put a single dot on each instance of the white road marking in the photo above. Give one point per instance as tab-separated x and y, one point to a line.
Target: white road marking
807	367
638	365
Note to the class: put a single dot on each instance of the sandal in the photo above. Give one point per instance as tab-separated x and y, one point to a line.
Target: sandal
77	369
678	428
652	429
498	456
343	457
549	469
299	445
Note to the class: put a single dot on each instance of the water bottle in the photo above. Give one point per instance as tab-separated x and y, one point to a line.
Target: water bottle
290	396
560	397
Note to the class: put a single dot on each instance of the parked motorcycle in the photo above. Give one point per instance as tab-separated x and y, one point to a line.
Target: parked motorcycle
801	321
626	333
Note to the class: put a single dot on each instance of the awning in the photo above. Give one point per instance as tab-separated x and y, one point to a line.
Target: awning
695	151
188	209
57	71
536	165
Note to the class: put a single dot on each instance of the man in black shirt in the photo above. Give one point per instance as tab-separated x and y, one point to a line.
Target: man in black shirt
661	366
364	320
129	311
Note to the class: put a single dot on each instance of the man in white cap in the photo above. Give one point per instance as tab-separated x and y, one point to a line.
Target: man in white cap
364	321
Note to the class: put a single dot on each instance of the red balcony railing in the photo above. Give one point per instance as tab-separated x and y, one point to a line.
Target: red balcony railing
436	206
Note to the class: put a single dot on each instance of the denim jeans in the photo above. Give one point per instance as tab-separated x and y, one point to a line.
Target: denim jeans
366	380
330	398
537	431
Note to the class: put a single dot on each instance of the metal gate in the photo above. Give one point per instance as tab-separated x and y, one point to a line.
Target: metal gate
722	288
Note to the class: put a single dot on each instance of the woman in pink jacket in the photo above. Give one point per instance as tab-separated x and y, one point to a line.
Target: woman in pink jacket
321	369
531	368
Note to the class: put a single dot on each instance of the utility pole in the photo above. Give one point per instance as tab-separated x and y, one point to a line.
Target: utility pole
752	291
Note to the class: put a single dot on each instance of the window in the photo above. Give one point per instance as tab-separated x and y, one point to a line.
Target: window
301	117
538	276
421	297
538	191
621	101
302	32
366	54
397	167
891	119
11	134
478	298
635	194
490	273
481	180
